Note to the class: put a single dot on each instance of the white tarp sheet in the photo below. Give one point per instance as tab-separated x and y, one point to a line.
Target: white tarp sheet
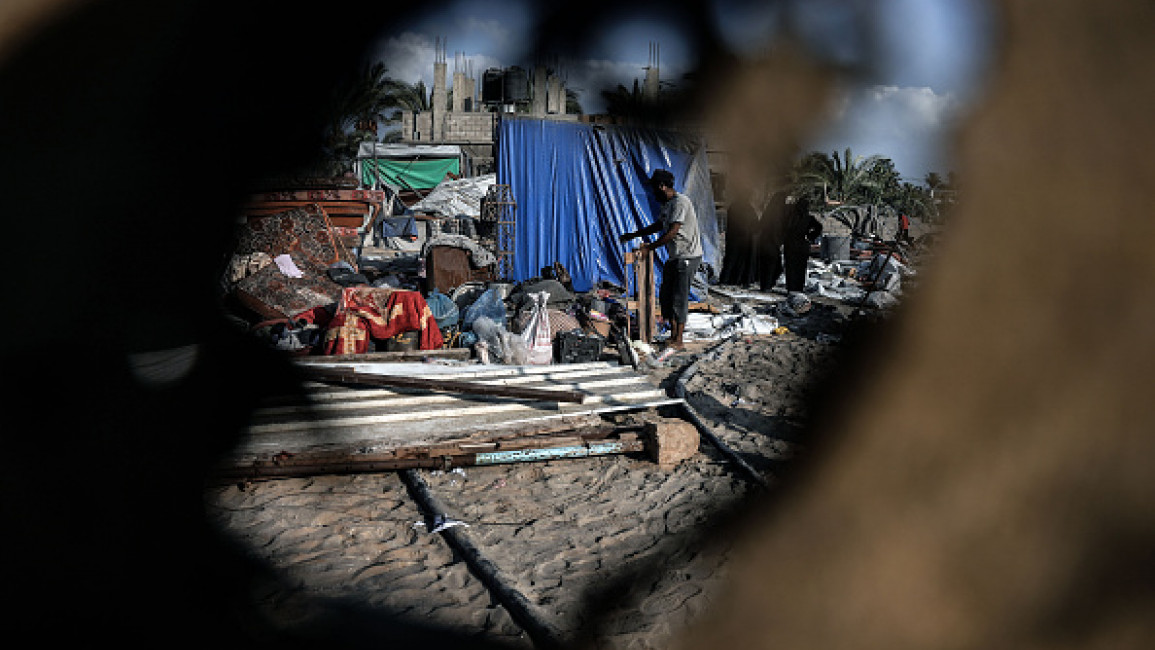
454	198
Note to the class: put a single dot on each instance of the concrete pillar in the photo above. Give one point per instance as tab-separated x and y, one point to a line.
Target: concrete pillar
556	97
459	91
440	98
540	91
650	86
408	126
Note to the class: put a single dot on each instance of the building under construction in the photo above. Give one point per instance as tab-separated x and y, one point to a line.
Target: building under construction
467	114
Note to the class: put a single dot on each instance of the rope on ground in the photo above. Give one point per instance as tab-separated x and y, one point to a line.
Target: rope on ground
523	612
703	428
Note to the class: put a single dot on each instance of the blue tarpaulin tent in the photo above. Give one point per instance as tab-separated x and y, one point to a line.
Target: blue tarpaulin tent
579	186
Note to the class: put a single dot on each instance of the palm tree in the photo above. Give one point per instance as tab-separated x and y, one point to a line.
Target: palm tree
359	101
934	181
403	97
885	182
845	178
573	105
914	201
408	97
366	100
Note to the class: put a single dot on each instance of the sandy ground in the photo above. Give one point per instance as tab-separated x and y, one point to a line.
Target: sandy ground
612	551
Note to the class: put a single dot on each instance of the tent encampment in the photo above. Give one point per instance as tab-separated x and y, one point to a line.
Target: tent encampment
579	186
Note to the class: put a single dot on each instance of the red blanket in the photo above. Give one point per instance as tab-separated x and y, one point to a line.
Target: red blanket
366	313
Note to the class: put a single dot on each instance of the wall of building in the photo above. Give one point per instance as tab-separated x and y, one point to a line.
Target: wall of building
455	127
475	130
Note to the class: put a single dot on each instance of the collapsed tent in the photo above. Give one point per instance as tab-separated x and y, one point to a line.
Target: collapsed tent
406	167
578	187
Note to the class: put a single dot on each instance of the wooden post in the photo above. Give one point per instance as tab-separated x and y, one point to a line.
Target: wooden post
646	300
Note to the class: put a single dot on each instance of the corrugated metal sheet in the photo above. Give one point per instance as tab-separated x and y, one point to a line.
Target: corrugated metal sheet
373	420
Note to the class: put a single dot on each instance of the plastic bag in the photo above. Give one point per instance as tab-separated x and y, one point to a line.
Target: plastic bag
444	310
537	334
513	350
489	339
489	305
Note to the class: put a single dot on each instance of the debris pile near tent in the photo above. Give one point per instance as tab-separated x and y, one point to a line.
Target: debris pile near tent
411	279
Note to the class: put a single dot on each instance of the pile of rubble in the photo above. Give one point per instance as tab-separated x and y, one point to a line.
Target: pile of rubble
409	283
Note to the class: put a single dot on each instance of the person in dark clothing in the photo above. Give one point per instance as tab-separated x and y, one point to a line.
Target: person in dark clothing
800	231
788	231
740	263
770	241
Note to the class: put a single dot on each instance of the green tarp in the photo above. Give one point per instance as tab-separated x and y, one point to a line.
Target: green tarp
408	174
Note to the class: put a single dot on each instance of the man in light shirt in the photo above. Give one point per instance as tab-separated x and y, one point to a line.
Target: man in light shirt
678	224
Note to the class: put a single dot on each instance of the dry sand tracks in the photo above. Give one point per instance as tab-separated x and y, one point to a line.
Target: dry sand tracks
610	550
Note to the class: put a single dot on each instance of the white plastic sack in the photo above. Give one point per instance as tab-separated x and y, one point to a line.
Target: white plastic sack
537	336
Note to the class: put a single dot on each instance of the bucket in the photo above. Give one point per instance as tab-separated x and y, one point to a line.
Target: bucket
503	289
835	247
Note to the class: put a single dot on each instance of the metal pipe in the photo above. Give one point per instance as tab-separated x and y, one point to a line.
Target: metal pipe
521	609
351	464
554	453
703	429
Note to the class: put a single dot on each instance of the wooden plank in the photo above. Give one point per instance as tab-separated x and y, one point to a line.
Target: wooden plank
348	435
493	371
346	419
408	355
348	376
315	195
418	409
552	378
384	399
266	209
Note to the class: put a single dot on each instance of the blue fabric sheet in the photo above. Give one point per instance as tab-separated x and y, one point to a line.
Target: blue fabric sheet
579	187
405	227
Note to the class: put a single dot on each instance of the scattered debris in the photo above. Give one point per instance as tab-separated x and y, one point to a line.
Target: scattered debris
440	523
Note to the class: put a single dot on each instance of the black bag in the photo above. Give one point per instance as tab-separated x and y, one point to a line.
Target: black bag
576	346
345	277
558	272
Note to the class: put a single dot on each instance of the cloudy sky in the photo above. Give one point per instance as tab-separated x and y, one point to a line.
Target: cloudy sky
928	59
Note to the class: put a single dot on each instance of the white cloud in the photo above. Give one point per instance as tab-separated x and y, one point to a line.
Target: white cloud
495	30
909	125
592	76
409	57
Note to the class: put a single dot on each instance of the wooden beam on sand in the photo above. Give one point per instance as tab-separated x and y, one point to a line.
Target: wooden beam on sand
563	445
344	375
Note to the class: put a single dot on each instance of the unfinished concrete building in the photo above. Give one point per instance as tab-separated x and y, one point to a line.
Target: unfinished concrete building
468	118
